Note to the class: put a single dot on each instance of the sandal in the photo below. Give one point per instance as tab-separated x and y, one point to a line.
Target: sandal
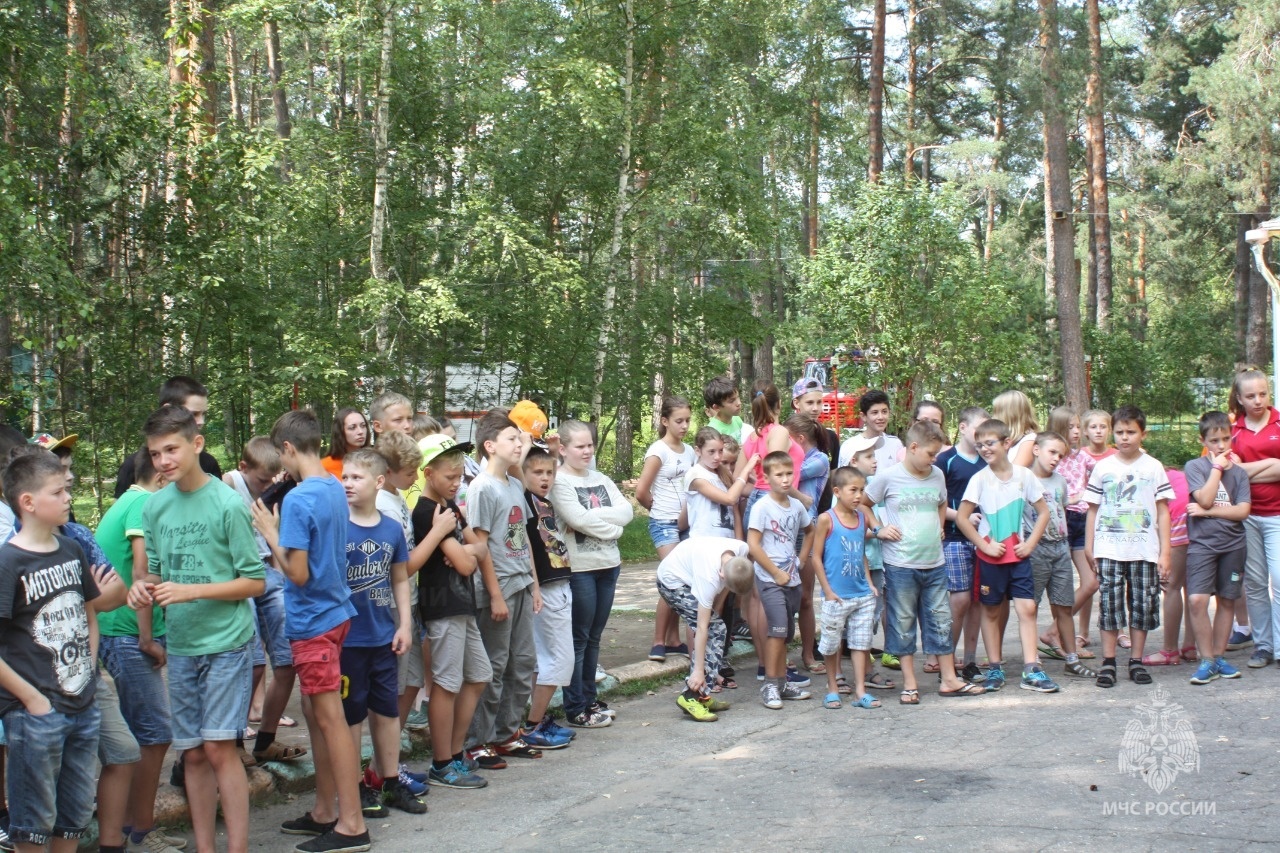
1106	675
1053	652
842	685
832	702
278	751
1189	654
909	697
876	681
966	689
932	667
1138	673
867	701
728	683
1082	641
1124	641
1164	657
816	667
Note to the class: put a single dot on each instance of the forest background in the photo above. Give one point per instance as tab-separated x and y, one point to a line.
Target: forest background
306	202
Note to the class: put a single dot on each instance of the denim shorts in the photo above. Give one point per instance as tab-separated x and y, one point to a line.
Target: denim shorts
912	592
209	695
116	744
51	776
1075	529
269	640
665	533
144	699
369	683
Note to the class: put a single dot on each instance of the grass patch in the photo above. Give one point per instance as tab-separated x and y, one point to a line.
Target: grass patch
642	686
635	545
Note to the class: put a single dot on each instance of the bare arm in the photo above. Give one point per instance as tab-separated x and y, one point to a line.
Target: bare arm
756	549
644	488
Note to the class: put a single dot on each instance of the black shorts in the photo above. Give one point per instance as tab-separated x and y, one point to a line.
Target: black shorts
369	683
1075	529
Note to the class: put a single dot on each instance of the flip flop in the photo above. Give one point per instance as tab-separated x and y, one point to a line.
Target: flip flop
816	668
1054	652
877	681
1082	641
1124	641
909	697
832	701
932	667
287	721
1189	654
967	689
867	701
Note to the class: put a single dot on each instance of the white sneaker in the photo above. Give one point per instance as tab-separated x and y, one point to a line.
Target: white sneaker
601	675
154	841
769	696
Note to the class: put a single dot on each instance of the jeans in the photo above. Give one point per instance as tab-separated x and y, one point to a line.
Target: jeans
268	625
917	596
592	601
51	773
1262	569
209	695
144	699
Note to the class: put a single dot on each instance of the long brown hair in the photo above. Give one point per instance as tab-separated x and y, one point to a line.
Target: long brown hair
766	402
338	439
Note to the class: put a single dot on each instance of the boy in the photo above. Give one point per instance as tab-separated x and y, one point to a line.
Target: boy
915	576
958	464
376	573
1220	502
508	599
202	565
863	460
553	624
258	467
185	393
46	663
308	539
1000	492
724	407
390	412
695	579
1051	566
848	595
1127	542
874	406
446	555
776	523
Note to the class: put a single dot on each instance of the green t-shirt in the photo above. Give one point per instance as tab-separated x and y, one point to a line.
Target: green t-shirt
119	527
203	536
732	429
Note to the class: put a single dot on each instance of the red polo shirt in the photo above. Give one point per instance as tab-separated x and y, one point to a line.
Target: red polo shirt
1253	446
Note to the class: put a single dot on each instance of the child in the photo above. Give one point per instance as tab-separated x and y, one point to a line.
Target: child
811	482
258	468
1051	566
376	555
915	506
661	491
390	411
776	523
308	539
1014	409
446	553
553	624
1097	430
1000	492
849	598
694	579
863	460
1175	615
185	393
202	565
47	663
958	464
508	598
1127	541
350	432
806	399
712	506
724	408
591	513
874	405
1221	501
1075	469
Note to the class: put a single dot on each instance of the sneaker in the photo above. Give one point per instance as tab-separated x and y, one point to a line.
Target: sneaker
890	661
417	719
742	632
1039	681
601	708
792	692
797	678
682	650
1206	672
1224	669
371	803
335	842
771	696
972	673
1259	659
713	704
398	796
6	843
406	773
542	737
601	675
549	724
486	759
1239	640
455	775
589	719
153	842
517	747
469	764
995	679
415	782
658	653
306	825
694	708
1078	668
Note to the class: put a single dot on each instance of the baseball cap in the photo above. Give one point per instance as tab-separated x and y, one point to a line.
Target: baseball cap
859	443
804	386
434	446
48	442
529	418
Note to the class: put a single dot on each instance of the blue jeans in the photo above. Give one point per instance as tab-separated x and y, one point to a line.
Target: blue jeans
917	596
51	766
269	640
1262	580
592	601
144	699
209	695
666	532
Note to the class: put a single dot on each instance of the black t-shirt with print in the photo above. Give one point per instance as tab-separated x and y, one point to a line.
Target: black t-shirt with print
44	632
442	592
550	555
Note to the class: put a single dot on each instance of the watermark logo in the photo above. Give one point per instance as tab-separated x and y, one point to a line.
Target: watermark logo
1159	743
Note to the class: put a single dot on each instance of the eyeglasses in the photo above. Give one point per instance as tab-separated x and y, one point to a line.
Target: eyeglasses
987	445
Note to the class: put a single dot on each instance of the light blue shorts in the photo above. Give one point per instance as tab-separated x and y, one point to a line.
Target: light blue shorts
209	696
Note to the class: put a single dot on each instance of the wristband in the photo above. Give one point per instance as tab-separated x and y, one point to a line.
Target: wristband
1218	468
875	533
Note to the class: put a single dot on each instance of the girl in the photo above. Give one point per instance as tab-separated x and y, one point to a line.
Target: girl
766	404
591	514
1075	468
1174	607
1014	408
712	504
1097	432
350	432
810	480
661	490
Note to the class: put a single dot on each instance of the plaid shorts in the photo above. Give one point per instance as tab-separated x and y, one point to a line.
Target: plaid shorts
1132	582
848	619
960	556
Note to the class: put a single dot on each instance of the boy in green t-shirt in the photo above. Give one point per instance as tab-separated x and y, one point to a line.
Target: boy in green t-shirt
202	562
723	409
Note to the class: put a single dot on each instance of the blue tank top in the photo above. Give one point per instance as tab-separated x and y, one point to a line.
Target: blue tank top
843	557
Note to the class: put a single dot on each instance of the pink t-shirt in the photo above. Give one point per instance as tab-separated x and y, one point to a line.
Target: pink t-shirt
758	443
1178	508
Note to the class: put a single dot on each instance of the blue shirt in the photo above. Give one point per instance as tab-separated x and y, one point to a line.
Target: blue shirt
313	518
370	553
843	557
957	469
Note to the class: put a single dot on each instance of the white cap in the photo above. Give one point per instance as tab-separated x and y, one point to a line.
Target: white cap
860	443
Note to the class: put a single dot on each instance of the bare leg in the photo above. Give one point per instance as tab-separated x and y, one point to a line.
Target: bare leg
1222	625
141	811
114	783
463	710
908	672
331	748
1201	630
1173	604
541	698
385	732
947	668
835	668
1027	628
666	625
202	797
440	715
972	631
233	791
807	622
1087	588
277	697
1062	619
860	659
992	633
256	702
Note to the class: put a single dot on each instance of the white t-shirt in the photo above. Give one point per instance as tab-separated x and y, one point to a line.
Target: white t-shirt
706	517
668	487
394	507
695	563
1126	494
1001	503
888	453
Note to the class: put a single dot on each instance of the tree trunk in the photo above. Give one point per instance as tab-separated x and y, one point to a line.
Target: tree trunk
1061	272
280	104
233	68
69	133
378	268
1243	272
811	185
875	105
913	74
1091	291
997	161
1099	204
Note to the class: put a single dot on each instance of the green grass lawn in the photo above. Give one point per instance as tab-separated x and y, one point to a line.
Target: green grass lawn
635	544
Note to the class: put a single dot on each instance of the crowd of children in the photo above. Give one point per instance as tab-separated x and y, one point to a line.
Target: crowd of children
402	562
